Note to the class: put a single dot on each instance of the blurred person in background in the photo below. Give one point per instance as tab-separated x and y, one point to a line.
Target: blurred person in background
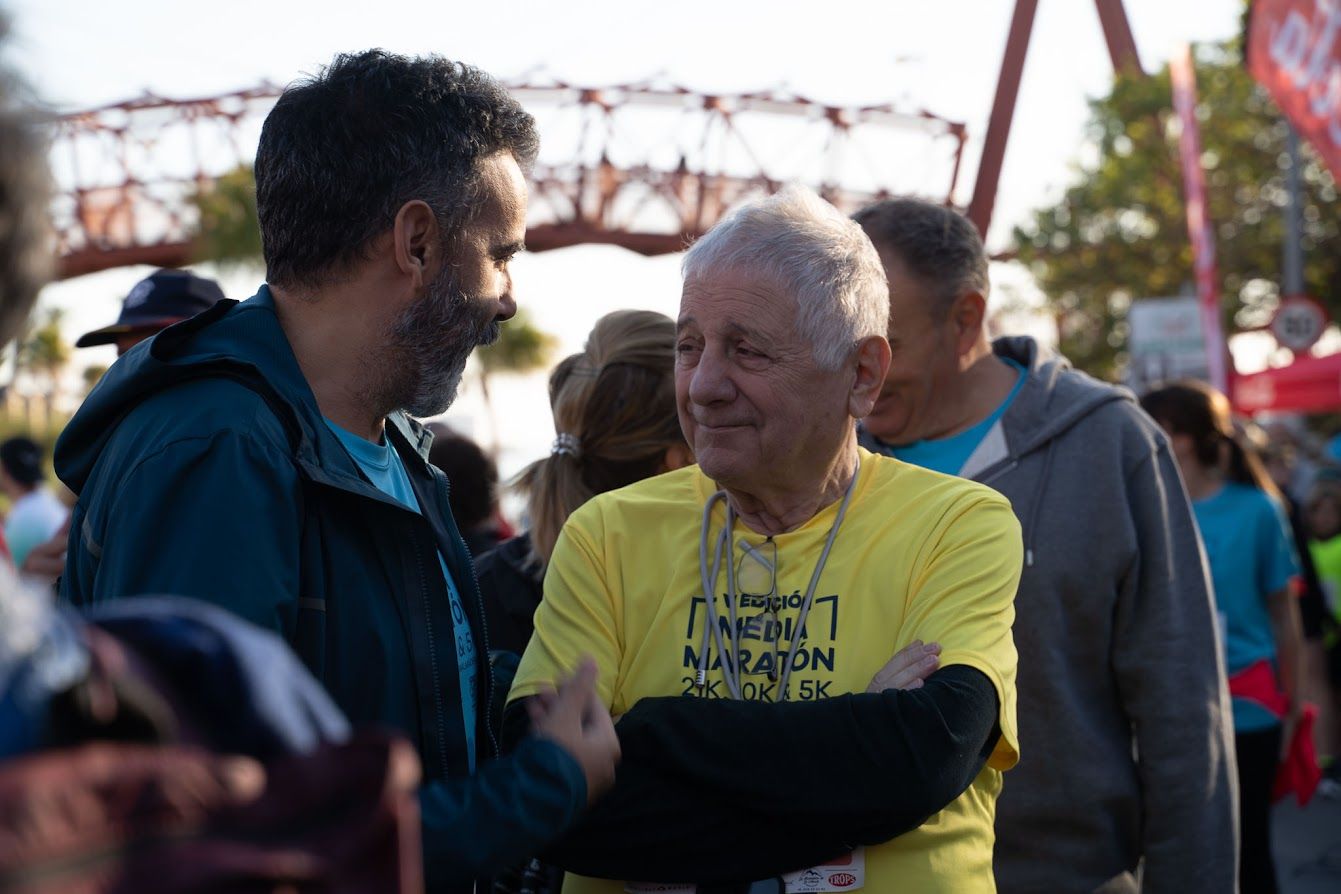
1253	566
1331	451
35	513
156	302
1126	768
1323	514
1280	458
472	479
25	191
614	412
1306	449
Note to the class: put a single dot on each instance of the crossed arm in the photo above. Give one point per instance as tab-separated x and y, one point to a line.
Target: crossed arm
716	790
712	791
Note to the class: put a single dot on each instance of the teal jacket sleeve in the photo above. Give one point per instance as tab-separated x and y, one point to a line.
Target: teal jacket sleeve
216	518
505	813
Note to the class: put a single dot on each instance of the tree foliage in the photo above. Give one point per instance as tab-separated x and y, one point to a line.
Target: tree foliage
521	347
1119	233
228	233
45	352
93	374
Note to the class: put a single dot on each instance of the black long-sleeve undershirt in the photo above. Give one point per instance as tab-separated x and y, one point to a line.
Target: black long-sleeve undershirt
713	791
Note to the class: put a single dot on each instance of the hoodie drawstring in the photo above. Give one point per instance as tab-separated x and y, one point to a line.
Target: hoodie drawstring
1030	527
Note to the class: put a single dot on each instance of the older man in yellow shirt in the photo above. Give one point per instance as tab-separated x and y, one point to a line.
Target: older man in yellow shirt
737	610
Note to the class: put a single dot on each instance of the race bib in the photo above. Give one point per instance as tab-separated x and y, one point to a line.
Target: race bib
846	873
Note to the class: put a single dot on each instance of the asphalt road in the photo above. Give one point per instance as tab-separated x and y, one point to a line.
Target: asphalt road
1308	846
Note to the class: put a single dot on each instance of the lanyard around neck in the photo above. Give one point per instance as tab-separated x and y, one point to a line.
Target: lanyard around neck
713	630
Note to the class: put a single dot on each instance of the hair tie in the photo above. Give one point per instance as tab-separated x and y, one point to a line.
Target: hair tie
566	445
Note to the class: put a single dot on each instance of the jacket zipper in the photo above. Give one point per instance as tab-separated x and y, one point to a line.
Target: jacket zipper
433	660
482	647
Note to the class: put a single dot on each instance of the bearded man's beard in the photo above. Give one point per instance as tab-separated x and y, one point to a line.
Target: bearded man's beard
429	343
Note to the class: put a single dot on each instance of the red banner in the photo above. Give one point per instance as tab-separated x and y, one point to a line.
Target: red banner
1198	221
1294	50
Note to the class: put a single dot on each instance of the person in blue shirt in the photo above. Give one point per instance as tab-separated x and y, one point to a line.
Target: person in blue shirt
1253	564
262	455
1127	768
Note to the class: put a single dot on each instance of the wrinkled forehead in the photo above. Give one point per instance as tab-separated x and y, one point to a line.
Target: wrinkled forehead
732	300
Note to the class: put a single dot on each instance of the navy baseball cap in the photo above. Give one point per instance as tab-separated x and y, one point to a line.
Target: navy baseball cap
165	297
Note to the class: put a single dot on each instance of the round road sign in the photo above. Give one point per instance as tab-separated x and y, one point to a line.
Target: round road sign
1298	323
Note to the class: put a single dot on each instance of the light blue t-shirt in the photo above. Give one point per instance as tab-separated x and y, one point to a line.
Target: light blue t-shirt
33	520
1251	552
948	455
384	468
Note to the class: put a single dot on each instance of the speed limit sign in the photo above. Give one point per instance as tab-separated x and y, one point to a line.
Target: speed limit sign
1298	323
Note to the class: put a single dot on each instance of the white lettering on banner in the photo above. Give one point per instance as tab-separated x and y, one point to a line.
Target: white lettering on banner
1289	45
1304	49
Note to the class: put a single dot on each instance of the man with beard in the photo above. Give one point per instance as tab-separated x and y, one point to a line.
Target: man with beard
261	456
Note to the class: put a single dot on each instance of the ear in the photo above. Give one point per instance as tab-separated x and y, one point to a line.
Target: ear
415	241
872	364
677	457
968	316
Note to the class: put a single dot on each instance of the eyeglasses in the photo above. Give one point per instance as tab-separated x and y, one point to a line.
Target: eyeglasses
759	602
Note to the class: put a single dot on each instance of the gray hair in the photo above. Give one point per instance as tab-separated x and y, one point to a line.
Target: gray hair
940	246
802	243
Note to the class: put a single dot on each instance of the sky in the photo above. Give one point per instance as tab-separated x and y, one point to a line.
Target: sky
943	56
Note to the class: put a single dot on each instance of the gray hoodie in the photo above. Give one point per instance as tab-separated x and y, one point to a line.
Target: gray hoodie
1123	710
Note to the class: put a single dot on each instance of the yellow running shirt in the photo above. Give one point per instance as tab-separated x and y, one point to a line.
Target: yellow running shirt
920	555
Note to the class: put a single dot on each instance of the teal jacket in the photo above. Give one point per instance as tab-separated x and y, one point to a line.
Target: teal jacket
204	469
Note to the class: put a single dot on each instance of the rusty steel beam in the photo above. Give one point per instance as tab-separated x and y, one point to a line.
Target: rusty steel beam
547	237
94	260
119	206
1121	49
1003	112
1117	33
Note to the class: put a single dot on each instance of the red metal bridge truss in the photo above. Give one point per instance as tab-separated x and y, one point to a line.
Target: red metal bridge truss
645	166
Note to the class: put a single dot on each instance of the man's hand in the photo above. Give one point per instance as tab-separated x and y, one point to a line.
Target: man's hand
47	560
908	669
574	718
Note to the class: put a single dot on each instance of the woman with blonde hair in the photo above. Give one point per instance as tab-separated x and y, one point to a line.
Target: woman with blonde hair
614	415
